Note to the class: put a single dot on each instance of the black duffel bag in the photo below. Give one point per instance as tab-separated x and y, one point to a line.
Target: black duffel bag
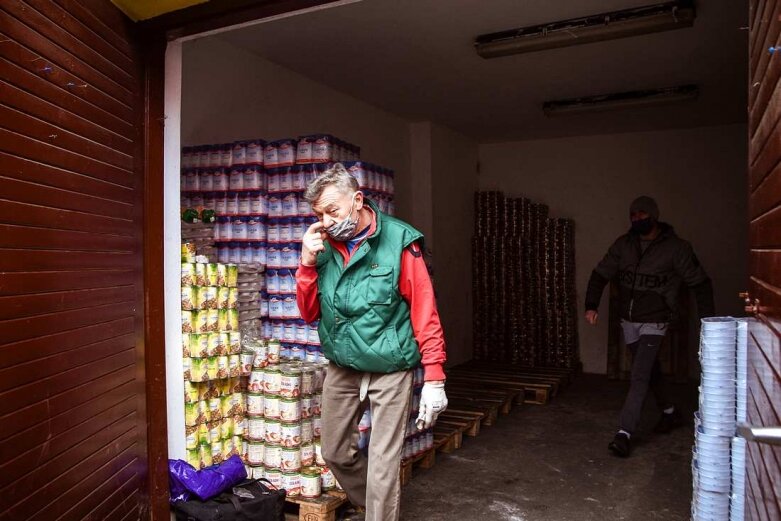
250	500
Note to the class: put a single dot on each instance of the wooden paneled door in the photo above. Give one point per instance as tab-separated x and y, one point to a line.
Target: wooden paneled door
74	440
763	496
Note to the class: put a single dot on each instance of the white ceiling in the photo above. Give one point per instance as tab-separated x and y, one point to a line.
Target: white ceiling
415	58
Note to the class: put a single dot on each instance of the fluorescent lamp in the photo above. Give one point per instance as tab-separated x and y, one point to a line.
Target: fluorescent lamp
621	100
596	28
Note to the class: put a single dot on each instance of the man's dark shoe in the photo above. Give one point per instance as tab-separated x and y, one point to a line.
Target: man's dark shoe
353	514
620	446
668	422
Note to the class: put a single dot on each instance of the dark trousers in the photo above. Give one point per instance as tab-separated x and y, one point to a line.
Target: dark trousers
646	372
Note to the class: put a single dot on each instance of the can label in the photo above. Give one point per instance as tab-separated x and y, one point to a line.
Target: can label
188	297
223	370
274	476
307	454
291	459
247	358
319	454
226	428
317	401
272	458
215	408
239	425
255	404
255	383
271	406
273	432
212	344
317	426
223	294
217	451
291	482
290	410
272	381
306	431
191	439
201	278
257	472
261	356
273	351
194	457
328	479
310	482
290	385
255	453
290	434
188	274
306	407
256	428
234	338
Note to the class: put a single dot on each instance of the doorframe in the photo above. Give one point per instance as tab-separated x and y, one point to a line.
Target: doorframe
161	47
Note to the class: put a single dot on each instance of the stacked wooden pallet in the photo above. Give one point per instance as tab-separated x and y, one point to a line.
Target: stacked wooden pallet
535	385
479	394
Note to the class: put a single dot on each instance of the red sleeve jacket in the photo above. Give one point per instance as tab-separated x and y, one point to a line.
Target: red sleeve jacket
415	287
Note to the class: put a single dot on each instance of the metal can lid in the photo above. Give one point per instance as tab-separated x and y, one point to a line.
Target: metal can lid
310	471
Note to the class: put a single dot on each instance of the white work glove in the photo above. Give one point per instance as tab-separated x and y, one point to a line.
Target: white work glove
432	402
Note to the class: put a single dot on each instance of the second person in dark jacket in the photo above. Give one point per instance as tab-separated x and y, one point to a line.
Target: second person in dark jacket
650	263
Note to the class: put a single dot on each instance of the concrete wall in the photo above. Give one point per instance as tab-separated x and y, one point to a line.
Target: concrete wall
454	180
698	177
230	94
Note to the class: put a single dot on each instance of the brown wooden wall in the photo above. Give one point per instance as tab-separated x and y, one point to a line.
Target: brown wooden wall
763	500
72	401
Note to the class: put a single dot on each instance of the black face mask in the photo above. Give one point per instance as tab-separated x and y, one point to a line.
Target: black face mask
643	226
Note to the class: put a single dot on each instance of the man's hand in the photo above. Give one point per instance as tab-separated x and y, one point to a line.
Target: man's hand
432	402
312	244
591	317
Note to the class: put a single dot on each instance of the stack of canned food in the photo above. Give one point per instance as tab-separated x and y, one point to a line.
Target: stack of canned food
523	283
211	347
416	442
282	434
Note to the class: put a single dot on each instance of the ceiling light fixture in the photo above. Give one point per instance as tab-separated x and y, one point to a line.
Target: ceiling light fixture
621	100
596	28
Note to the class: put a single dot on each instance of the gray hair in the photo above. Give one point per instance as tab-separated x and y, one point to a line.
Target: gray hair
337	176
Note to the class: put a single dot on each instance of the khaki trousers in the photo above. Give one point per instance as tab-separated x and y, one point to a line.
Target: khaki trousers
373	482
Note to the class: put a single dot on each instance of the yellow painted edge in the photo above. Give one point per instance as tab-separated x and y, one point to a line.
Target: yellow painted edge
138	10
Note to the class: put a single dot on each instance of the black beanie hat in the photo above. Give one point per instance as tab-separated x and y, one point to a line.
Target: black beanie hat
645	204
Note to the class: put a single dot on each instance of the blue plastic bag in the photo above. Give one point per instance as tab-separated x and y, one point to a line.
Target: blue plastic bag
186	481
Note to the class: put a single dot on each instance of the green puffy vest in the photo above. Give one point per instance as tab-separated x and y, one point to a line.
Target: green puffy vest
365	322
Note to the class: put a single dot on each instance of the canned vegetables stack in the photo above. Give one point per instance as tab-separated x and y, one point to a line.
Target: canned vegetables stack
282	434
211	343
256	190
523	283
416	442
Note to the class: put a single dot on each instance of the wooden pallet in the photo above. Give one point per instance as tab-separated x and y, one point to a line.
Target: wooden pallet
485	374
565	375
425	460
319	509
447	439
504	398
536	393
468	425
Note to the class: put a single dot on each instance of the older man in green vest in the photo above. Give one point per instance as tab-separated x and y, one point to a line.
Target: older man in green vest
363	276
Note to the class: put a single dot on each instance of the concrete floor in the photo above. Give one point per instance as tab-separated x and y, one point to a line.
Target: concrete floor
551	463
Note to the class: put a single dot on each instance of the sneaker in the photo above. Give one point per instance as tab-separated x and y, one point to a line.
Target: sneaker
668	422
620	446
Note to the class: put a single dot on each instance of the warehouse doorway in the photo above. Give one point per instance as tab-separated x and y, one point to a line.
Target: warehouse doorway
435	155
